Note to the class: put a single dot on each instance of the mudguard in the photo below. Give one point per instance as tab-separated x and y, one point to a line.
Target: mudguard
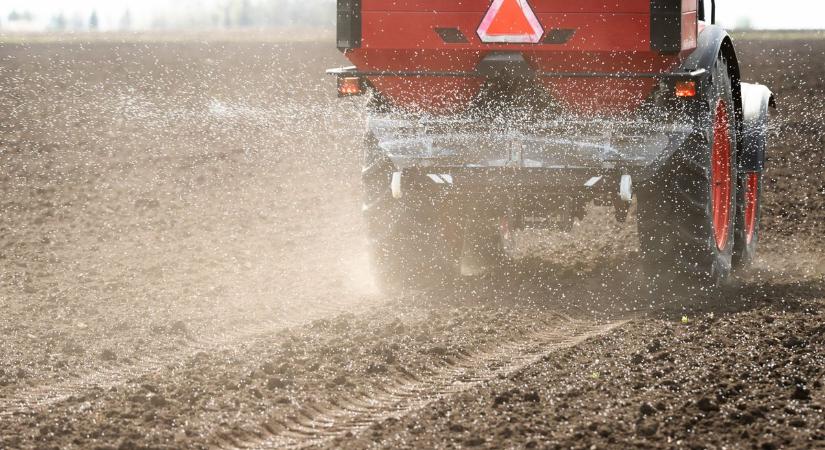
712	40
756	99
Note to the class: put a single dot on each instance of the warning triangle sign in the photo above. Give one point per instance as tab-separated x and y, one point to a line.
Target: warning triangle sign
510	21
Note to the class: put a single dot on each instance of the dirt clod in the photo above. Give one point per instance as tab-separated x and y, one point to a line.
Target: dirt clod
793	342
275	383
532	396
707	405
647	428
801	392
108	355
157	400
646	409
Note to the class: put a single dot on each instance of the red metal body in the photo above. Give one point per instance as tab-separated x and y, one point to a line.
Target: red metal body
601	36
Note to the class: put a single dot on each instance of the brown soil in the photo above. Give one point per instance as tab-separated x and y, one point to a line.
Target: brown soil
182	264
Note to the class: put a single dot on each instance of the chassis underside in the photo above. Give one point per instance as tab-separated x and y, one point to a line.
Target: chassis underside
492	166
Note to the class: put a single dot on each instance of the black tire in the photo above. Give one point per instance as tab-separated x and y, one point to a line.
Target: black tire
675	207
411	251
747	240
412	243
483	246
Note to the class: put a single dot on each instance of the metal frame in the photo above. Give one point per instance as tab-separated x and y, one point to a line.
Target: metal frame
666	32
713	12
348	33
702	13
351	71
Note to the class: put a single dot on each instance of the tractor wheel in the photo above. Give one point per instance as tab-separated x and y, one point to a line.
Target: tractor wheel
483	248
749	213
412	244
687	211
411	251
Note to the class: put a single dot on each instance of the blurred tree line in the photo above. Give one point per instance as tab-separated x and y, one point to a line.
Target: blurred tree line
198	14
263	13
257	13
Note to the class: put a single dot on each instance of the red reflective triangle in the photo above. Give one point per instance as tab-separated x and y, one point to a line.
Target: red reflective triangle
510	21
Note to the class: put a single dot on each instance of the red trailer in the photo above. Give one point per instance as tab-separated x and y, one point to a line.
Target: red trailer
490	116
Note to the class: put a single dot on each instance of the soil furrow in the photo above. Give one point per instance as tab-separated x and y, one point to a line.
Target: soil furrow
44	395
396	400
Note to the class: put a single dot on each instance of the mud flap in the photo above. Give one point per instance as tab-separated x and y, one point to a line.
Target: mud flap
756	99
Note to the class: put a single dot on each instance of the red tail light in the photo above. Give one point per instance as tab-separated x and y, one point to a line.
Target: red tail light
686	89
350	86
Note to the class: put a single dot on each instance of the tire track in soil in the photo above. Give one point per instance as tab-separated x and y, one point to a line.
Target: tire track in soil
44	395
316	425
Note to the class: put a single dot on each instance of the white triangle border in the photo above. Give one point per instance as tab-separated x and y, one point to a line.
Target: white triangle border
534	38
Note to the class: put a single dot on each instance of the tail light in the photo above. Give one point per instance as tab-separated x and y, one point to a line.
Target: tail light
686	89
350	86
